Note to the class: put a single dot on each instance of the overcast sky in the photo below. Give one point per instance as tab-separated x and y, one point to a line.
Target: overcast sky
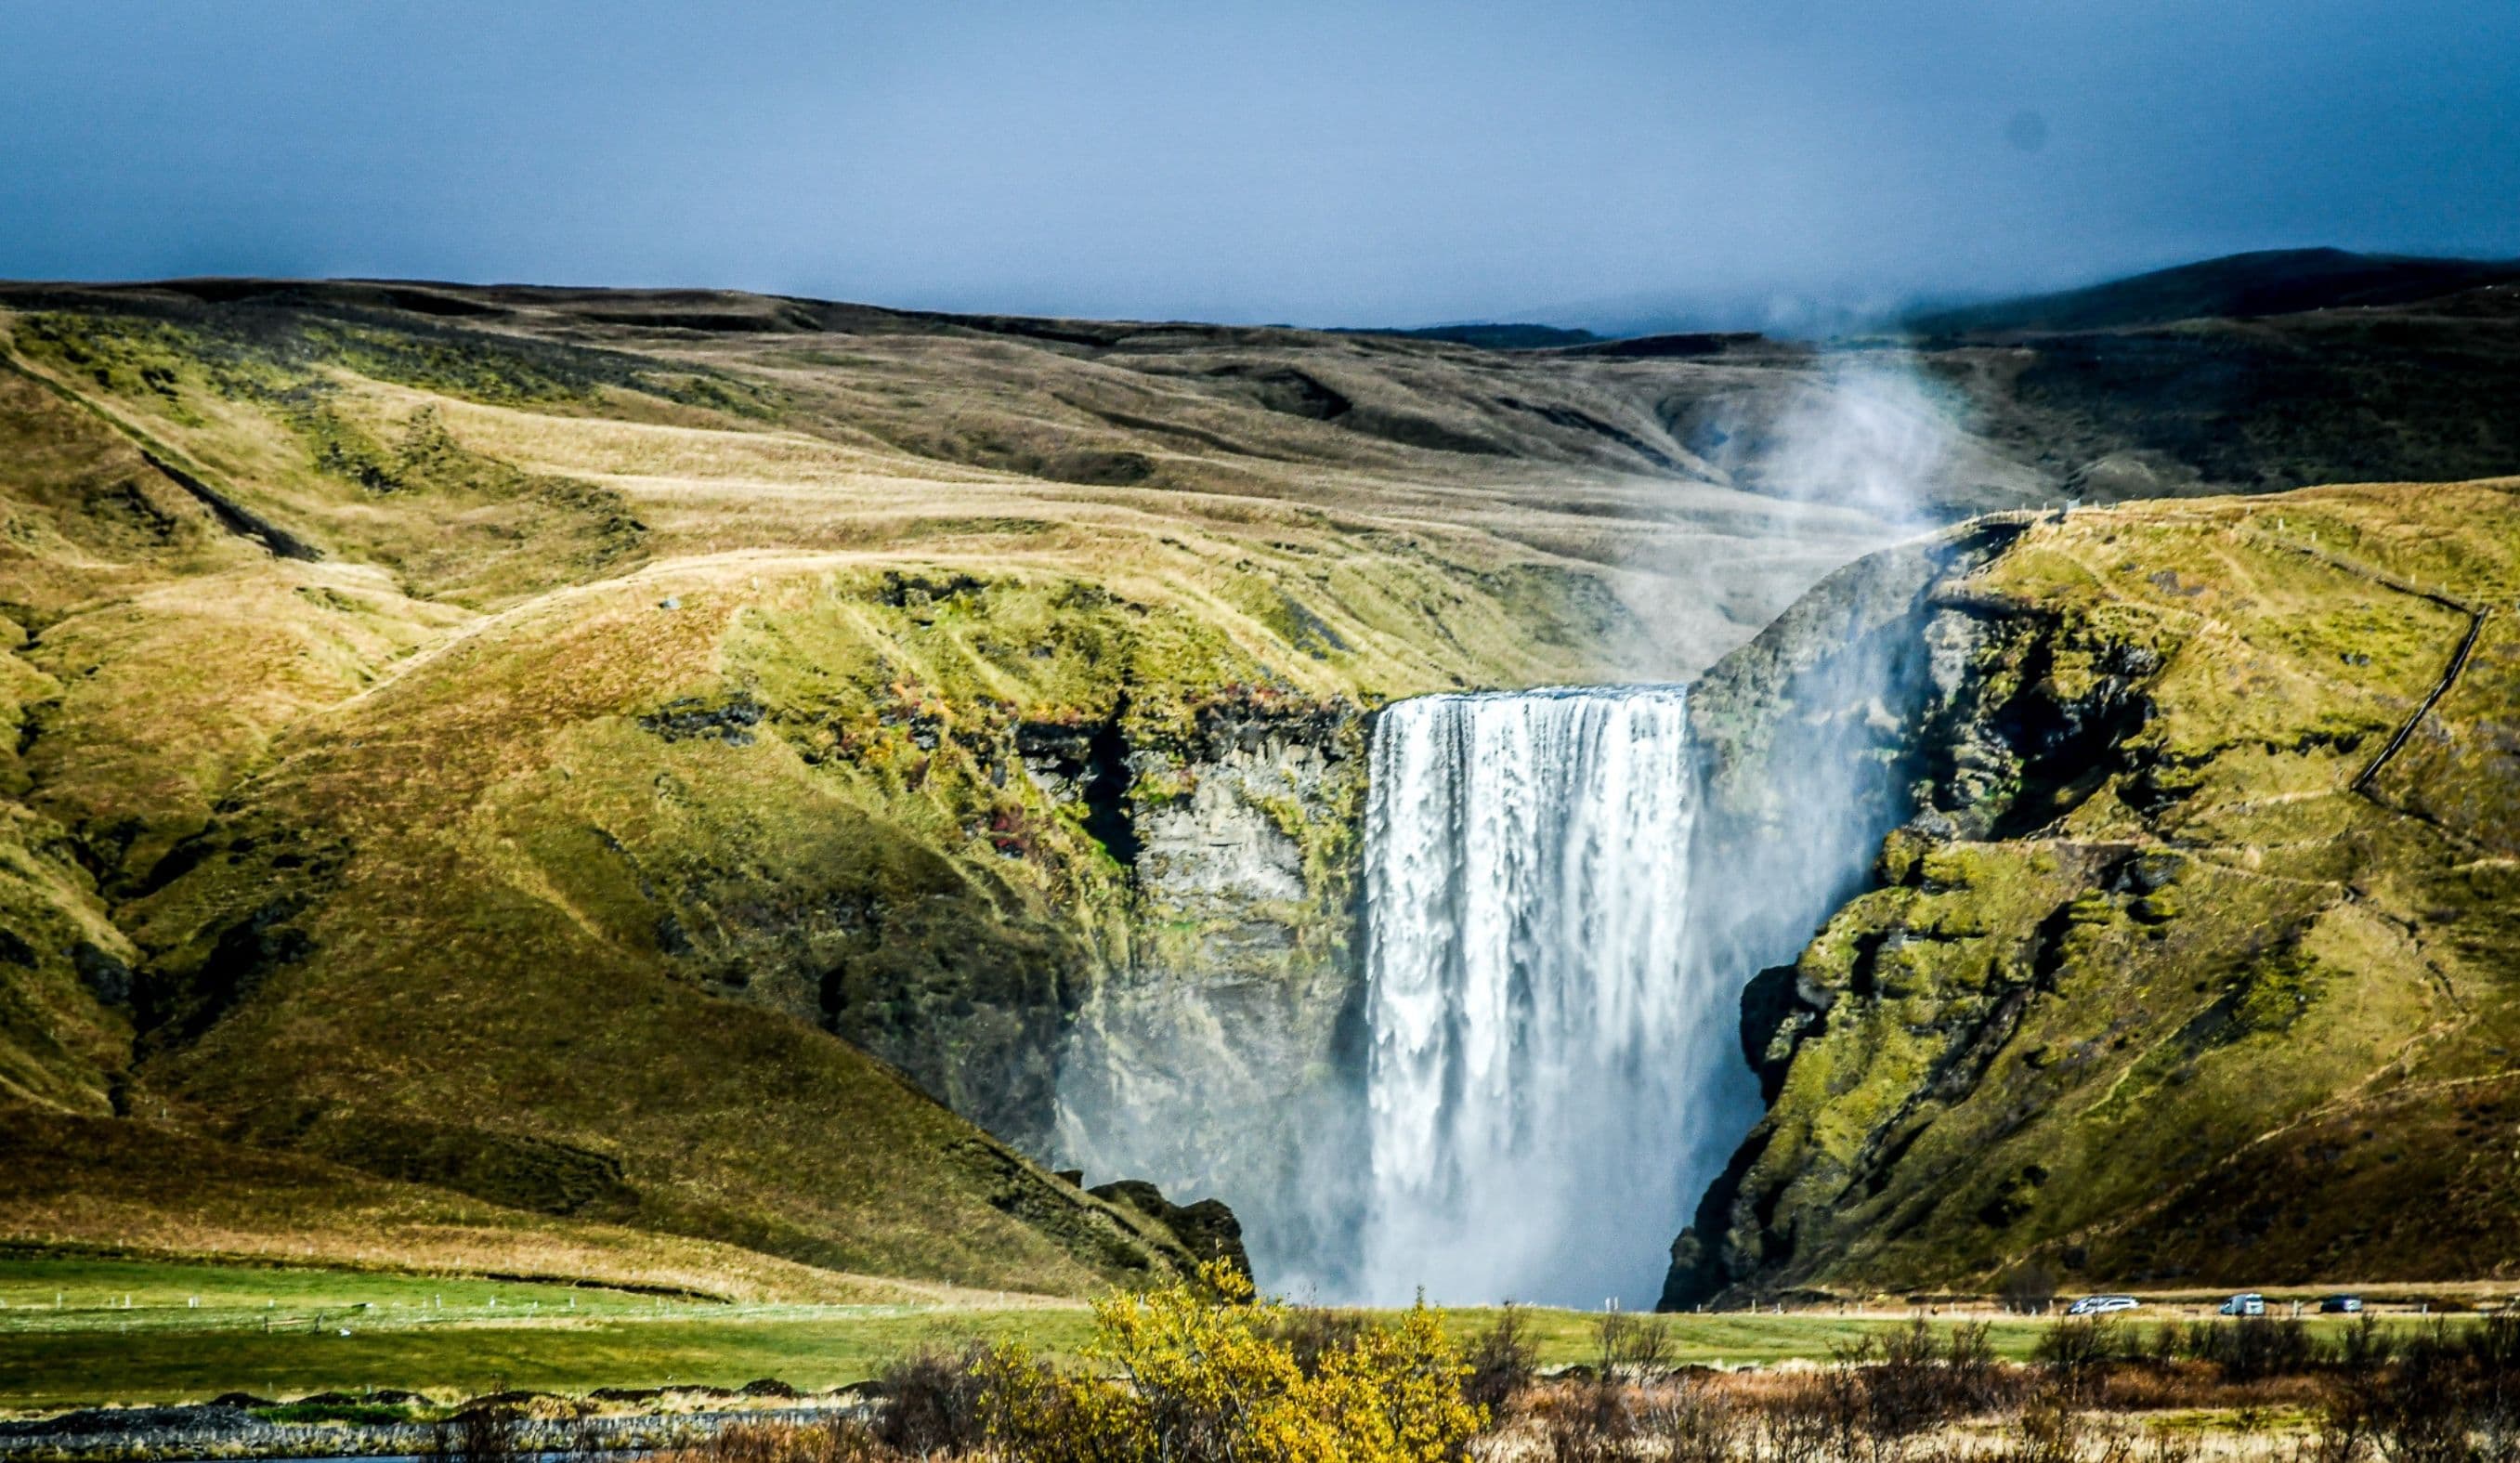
1330	163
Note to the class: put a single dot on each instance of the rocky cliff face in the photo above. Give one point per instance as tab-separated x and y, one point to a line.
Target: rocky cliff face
2195	956
1211	1056
1807	749
550	886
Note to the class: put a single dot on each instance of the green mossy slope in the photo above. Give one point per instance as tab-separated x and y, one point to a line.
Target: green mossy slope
538	804
673	765
2163	983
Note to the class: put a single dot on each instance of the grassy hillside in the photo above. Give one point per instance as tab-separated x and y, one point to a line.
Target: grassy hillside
581	784
2188	967
85	1187
646	784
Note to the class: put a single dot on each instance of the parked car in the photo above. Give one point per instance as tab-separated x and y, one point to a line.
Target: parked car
2102	1304
2342	1305
2249	1303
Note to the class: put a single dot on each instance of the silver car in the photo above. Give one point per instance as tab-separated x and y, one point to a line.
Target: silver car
2102	1304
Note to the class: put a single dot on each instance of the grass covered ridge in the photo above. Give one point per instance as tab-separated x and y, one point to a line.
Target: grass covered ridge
488	774
2169	984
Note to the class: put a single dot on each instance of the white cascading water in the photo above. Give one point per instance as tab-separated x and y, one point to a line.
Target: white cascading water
1546	1067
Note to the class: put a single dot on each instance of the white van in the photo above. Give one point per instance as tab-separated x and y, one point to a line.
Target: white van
2250	1304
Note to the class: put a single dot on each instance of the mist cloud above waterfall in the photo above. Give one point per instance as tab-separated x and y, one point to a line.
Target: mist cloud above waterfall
1867	434
1865	430
1798	739
1801	806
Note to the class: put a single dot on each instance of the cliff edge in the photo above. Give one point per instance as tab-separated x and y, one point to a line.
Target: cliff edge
2194	955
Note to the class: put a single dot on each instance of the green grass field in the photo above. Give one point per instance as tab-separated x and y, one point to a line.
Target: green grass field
80	1330
75	1331
75	1294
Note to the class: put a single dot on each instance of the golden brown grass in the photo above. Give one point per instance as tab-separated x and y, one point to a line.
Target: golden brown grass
2309	1020
428	746
149	1189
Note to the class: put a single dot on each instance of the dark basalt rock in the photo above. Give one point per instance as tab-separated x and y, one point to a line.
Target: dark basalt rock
107	978
1207	1228
730	722
214	1420
1773	1013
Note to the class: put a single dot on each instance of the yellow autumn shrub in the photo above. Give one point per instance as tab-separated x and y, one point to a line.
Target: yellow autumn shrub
1197	1374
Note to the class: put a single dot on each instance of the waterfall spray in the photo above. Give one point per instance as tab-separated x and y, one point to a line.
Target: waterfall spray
1544	1055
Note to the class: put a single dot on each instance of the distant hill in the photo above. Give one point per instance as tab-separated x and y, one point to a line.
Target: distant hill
1492	337
2268	281
1684	344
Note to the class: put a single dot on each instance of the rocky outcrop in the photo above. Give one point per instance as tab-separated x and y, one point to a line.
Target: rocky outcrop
1807	751
2149	985
1206	1228
1214	1057
1808	756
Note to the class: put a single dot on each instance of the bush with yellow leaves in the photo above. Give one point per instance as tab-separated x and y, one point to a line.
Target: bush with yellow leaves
1197	1374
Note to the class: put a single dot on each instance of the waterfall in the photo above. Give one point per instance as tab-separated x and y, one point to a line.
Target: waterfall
1551	1082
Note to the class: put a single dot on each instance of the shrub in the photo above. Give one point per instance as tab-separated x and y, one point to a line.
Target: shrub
1314	1332
2248	1350
1909	1390
1591	1422
843	1440
2167	1346
1202	1377
2078	1353
933	1403
1500	1362
1693	1423
1969	1353
1631	1346
2445	1396
1889	1390
2364	1348
1808	1421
